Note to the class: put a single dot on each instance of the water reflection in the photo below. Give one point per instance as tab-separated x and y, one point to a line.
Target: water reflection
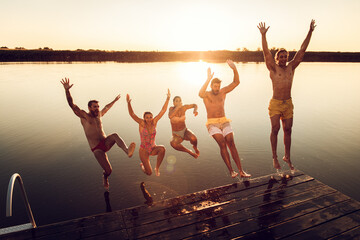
107	201
149	200
269	213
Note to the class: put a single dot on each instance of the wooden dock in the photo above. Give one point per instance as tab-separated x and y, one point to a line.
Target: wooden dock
270	207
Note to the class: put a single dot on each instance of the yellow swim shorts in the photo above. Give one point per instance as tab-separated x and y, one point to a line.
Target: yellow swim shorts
284	108
217	121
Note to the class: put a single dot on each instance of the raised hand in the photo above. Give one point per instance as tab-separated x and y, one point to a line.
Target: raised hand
262	27
128	98
231	64
168	93
66	83
117	98
209	74
312	25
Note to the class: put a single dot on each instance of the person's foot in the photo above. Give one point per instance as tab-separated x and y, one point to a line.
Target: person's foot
142	167
131	149
106	181
193	154
234	174
157	173
244	174
197	151
276	163
287	160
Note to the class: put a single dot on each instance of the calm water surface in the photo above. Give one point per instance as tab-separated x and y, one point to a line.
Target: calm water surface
43	140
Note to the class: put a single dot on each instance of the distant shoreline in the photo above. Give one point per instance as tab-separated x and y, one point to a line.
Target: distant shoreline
49	55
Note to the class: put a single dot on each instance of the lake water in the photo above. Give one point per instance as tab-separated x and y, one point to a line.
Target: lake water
43	140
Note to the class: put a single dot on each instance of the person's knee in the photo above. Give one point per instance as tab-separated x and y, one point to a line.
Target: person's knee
148	172
174	144
193	140
162	150
108	171
275	129
115	135
287	129
230	142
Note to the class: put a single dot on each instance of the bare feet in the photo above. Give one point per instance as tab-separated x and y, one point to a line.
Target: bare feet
276	163
142	167
157	173
197	151
131	149
106	181
287	160
234	174
193	154
244	174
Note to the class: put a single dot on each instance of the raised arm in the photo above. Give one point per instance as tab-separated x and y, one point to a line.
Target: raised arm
163	110
108	106
236	80
202	92
269	60
300	54
78	112
131	111
194	106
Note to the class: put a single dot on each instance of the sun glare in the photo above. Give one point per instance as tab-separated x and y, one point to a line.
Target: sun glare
193	73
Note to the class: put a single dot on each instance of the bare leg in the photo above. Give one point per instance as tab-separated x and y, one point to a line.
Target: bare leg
275	126
102	159
114	138
190	136
145	161
176	144
160	152
287	126
234	153
219	138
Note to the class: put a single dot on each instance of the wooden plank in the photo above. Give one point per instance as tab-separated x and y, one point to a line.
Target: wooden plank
214	198
264	222
199	196
303	222
352	234
330	229
77	228
232	213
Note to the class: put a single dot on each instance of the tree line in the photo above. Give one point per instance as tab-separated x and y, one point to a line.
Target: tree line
49	55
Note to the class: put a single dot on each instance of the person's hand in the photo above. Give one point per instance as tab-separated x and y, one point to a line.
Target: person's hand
128	98
312	25
168	94
66	83
195	113
209	74
117	98
231	64
263	29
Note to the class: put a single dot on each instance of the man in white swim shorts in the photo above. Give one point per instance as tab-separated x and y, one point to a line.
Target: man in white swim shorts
218	125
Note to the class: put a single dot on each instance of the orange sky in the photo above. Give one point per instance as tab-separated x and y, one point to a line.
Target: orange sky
178	25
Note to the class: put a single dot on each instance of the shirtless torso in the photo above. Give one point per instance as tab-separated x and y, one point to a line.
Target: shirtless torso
282	79
93	129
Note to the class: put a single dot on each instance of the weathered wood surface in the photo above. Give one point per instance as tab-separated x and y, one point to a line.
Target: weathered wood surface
268	207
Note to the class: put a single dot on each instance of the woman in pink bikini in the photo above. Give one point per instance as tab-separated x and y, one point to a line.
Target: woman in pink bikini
147	129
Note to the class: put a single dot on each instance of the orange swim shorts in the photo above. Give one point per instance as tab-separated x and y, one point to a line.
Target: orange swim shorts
284	108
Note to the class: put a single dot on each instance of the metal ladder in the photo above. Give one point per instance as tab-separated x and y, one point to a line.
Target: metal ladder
9	198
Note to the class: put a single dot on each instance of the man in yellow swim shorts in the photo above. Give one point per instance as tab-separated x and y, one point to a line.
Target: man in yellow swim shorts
218	125
281	107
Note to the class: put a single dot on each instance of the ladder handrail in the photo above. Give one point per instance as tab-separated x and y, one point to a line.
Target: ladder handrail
13	178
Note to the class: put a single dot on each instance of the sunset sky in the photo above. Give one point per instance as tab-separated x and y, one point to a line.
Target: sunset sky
175	25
